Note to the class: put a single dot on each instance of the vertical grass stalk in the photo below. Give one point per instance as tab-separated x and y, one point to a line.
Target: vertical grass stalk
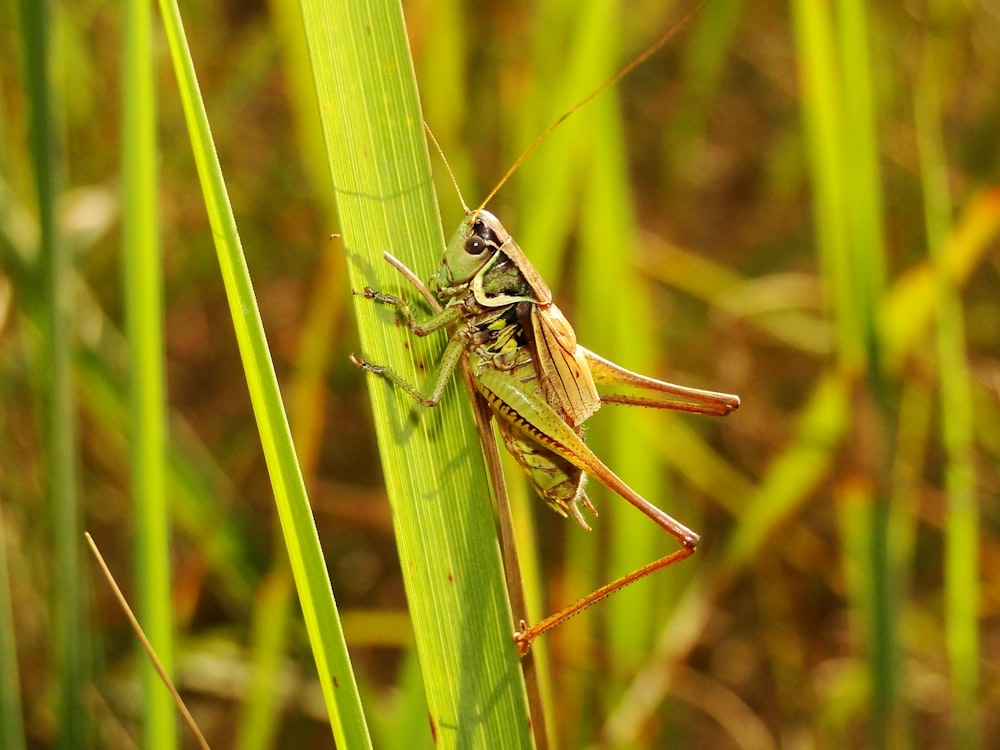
432	459
839	120
11	723
69	633
962	588
144	324
308	566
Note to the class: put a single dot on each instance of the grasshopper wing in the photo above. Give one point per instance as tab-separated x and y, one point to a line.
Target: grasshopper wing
561	365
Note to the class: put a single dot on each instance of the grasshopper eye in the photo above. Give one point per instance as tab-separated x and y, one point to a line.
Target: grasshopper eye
475	246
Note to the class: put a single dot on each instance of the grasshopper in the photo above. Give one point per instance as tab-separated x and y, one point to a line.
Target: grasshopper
536	380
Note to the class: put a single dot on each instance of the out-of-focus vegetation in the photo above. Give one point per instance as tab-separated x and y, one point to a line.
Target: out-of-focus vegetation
797	202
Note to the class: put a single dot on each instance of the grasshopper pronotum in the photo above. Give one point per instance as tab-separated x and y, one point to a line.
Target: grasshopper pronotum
525	363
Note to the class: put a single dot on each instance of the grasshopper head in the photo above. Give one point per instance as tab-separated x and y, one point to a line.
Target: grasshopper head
478	238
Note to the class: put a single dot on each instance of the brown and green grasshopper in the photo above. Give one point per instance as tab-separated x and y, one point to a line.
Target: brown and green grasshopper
525	364
540	385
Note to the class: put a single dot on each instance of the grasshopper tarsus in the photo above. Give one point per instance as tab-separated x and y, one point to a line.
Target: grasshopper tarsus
364	364
377	296
522	640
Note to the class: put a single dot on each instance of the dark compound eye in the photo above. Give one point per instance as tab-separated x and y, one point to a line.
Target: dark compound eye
475	246
480	229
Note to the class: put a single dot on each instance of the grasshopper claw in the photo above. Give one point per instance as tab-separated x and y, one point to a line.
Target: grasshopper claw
364	364
522	640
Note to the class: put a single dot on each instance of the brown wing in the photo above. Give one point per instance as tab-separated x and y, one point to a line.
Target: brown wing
561	365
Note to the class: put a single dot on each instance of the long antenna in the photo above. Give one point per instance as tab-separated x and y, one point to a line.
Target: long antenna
624	71
447	166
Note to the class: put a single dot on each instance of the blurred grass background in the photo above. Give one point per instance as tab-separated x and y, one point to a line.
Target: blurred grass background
797	202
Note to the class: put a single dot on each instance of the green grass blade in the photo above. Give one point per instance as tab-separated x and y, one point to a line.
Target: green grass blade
431	459
261	717
70	636
11	724
962	576
863	214
863	202
309	568
838	110
307	390
823	116
144	323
